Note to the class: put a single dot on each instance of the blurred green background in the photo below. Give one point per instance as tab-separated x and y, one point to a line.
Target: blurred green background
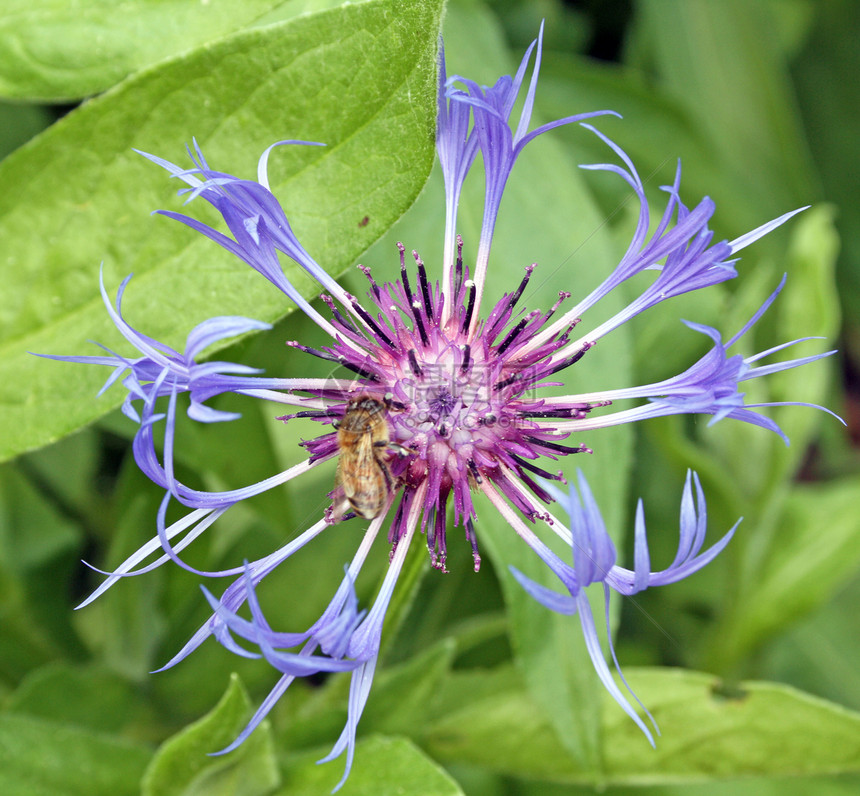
759	101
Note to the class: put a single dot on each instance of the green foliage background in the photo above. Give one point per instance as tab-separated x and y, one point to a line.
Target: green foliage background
749	667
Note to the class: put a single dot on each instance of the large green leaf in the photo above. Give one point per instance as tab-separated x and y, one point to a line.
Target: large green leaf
53	50
47	758
369	95
707	732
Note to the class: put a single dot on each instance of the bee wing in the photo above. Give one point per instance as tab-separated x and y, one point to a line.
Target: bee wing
360	474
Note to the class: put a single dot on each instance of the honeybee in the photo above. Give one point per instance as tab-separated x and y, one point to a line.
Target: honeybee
361	470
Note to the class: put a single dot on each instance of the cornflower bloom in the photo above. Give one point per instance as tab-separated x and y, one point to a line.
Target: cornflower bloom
438	396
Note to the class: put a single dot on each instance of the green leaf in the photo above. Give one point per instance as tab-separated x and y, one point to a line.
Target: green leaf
382	767
49	534
24	645
91	697
46	758
19	123
183	764
53	51
403	696
828	100
818	653
489	719
39	541
808	306
297	79
823	785
655	131
758	137
708	732
816	550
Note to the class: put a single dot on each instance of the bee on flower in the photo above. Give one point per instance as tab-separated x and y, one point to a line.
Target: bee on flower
440	397
362	472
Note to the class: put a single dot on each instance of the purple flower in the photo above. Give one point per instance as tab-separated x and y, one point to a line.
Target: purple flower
439	398
594	562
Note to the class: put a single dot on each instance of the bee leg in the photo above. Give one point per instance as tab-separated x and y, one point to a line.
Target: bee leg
339	511
393	446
